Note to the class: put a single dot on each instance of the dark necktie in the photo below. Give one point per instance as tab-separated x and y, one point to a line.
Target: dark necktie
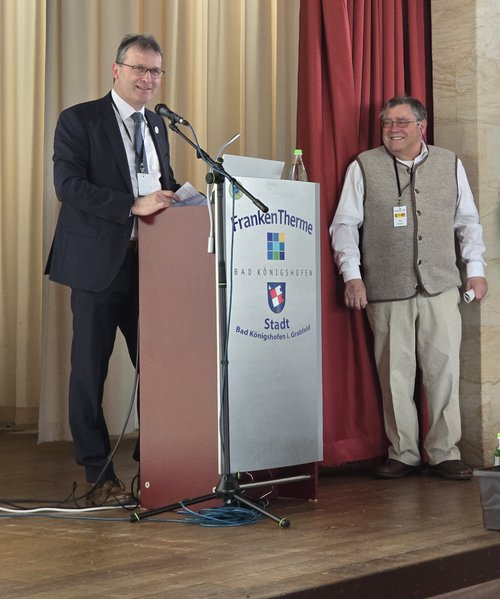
140	153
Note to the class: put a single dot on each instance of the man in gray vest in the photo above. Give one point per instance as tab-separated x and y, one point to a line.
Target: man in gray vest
412	202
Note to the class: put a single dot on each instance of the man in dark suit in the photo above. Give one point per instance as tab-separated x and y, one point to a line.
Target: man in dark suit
111	165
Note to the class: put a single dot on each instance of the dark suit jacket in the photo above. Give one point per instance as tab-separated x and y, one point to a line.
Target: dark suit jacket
92	182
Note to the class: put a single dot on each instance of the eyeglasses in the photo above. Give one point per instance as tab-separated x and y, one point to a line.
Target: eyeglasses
402	124
138	69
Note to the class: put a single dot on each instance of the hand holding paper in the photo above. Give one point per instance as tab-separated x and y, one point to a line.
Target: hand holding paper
189	196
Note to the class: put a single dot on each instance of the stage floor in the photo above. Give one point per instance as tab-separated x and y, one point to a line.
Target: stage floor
417	537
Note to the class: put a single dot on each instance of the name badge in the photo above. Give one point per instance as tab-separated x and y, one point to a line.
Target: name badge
144	184
399	216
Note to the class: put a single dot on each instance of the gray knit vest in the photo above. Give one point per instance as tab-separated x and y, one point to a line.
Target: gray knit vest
397	262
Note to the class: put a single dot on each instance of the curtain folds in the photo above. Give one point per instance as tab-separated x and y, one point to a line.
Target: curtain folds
353	55
22	60
231	68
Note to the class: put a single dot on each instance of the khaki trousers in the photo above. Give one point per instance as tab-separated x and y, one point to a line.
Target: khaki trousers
424	331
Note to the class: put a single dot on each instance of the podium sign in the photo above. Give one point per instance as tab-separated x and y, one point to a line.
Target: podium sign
274	325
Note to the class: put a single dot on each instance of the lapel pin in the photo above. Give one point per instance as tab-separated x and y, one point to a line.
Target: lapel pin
157	130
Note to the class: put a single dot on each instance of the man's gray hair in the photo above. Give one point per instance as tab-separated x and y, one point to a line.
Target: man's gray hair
416	106
143	42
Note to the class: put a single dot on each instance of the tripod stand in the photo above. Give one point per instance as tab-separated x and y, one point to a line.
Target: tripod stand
228	487
231	492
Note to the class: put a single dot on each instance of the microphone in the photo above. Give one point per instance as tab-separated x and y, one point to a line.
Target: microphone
164	110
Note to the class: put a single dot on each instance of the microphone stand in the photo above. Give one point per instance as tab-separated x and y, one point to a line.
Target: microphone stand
228	489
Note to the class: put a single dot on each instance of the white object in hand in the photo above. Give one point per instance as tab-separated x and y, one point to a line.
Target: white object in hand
469	296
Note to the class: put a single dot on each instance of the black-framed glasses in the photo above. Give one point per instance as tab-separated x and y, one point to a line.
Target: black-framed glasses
140	70
401	123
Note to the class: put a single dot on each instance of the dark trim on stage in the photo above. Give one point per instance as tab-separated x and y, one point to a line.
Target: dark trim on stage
418	581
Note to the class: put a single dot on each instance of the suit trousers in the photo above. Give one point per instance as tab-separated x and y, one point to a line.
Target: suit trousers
425	332
96	318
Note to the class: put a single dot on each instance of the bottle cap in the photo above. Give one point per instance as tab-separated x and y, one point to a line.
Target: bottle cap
297	152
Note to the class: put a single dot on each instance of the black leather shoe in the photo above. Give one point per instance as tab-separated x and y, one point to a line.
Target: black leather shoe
451	469
395	469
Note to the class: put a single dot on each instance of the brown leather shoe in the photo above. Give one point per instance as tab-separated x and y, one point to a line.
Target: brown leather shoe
110	492
395	469
451	469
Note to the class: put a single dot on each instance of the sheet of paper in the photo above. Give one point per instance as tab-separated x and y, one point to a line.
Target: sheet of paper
189	196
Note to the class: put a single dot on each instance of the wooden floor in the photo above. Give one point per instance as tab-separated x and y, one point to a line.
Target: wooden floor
417	537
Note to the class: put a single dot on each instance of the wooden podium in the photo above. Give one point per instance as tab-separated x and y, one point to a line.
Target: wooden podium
178	365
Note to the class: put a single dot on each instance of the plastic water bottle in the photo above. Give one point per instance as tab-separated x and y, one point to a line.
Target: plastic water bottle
297	170
497	452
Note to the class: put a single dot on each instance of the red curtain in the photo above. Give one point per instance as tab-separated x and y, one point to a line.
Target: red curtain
353	55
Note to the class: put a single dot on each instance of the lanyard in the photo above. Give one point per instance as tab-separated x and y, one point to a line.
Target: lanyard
139	157
400	191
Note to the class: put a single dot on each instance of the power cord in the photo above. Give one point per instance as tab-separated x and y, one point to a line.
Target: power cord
223	516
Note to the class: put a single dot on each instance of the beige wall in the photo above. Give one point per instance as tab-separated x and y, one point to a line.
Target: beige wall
466	71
